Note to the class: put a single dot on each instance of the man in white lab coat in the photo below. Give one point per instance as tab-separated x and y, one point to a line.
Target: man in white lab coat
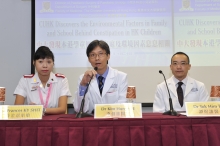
108	85
182	87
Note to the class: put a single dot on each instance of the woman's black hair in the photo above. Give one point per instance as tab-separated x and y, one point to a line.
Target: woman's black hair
42	53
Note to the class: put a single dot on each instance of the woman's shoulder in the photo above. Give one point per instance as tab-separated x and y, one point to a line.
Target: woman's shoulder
26	79
28	76
59	75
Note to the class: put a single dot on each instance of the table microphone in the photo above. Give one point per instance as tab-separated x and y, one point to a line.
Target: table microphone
171	112
81	114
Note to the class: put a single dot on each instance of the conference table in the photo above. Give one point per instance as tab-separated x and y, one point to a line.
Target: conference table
154	129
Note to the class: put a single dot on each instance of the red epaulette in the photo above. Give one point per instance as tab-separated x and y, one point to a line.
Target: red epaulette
59	75
28	76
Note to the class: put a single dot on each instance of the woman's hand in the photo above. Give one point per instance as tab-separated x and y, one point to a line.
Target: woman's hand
31	103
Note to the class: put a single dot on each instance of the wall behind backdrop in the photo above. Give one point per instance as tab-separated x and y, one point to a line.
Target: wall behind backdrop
15	58
15	40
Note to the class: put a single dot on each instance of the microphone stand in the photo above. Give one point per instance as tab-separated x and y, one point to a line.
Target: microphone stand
81	114
171	112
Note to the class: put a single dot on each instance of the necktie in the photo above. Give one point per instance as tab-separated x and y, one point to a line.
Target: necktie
180	93
100	78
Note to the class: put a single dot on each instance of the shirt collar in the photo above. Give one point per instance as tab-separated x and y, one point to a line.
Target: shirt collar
184	80
52	78
104	75
36	79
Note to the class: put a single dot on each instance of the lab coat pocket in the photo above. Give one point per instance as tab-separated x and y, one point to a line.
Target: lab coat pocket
111	92
192	96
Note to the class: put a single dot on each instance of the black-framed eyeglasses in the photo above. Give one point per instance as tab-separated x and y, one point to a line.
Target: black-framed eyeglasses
93	55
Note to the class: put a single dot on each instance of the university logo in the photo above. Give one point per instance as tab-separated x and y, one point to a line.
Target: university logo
46	7
186	6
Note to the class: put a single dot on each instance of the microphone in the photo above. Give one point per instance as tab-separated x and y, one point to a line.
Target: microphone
171	112
81	114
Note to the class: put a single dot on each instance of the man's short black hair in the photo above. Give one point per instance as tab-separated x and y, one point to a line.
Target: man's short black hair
42	53
96	43
180	53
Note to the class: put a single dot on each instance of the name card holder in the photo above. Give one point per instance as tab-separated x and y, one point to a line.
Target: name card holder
202	109
21	112
121	110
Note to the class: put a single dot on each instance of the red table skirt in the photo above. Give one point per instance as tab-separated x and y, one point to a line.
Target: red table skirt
151	130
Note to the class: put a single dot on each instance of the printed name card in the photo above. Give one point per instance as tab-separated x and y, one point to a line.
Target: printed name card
21	112
122	110
203	109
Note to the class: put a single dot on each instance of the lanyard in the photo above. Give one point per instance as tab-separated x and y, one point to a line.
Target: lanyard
47	98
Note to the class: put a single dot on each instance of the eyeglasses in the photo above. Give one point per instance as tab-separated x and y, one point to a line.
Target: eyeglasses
179	63
93	55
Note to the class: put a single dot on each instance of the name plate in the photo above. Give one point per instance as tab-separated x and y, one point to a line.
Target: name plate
194	109
21	112
122	110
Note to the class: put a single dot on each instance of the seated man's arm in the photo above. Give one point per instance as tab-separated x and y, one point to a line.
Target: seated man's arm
79	96
204	96
159	104
123	89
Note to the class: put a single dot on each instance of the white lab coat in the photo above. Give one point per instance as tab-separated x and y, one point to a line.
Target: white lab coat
114	91
194	91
